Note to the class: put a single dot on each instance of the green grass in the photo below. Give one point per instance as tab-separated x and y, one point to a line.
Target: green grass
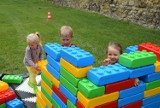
92	32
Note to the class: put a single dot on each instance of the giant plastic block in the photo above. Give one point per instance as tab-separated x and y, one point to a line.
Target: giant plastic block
150	47
133	90
108	74
50	76
75	71
3	86
77	56
59	94
68	94
130	99
3	105
55	73
15	79
69	86
8	95
117	86
93	102
141	71
46	87
112	104
132	49
70	104
157	66
90	90
54	50
155	104
151	77
137	59
79	105
46	80
58	100
48	99
55	64
2	99
152	84
136	104
39	100
15	103
151	92
68	76
151	99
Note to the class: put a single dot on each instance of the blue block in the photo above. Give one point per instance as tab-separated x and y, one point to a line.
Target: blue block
138	72
55	73
15	103
131	99
108	74
77	56
53	63
151	77
68	94
151	99
58	100
132	49
54	50
155	104
133	90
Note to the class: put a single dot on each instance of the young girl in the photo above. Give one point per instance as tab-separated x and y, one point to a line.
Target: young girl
114	50
66	35
33	54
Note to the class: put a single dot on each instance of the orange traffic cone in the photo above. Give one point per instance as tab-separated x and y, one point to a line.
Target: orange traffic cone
49	15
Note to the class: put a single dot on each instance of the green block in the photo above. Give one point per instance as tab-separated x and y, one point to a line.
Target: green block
3	105
49	98
14	79
90	90
137	59
46	80
37	105
152	85
70	104
68	76
68	85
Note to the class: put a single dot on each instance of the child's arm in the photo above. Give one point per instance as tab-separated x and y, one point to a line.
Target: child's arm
136	82
41	53
29	60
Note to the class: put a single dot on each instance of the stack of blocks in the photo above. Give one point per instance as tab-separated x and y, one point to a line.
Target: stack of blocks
8	98
70	81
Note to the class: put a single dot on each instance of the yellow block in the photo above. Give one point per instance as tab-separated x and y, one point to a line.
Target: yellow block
50	76
46	87
75	71
49	104
42	63
39	100
3	86
157	66
92	103
151	92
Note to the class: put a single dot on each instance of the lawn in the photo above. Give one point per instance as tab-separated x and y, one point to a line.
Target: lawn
92	31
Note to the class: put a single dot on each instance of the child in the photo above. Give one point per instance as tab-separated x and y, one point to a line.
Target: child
66	35
33	54
114	50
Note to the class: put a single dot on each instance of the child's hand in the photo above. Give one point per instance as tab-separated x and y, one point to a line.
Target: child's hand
106	62
136	82
38	69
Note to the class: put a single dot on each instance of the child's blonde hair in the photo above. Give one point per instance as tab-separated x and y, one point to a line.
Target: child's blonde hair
66	31
116	46
33	38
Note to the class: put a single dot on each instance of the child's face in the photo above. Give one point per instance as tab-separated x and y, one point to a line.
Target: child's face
33	45
66	40
113	54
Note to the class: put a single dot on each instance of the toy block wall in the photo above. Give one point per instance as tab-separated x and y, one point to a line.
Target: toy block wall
8	98
70	81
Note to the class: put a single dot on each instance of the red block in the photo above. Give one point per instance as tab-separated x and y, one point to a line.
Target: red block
136	104
2	99
59	94
121	85
79	105
113	104
8	95
149	47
